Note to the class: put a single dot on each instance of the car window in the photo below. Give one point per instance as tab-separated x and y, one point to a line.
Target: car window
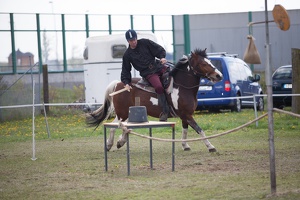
243	73
283	73
234	71
218	65
248	72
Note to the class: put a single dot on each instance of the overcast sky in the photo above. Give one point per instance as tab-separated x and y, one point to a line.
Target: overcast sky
152	7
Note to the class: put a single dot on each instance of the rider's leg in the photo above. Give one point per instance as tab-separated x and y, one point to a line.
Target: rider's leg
162	101
159	89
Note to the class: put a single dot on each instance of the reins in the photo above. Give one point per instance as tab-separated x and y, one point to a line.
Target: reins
186	87
199	75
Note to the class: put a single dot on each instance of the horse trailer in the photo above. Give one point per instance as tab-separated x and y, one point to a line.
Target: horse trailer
103	63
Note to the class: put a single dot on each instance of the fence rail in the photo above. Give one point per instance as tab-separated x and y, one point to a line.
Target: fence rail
58	39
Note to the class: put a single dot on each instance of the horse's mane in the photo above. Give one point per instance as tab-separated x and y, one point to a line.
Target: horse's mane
201	52
183	62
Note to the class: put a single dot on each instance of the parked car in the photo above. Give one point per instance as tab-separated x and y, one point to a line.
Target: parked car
282	84
238	81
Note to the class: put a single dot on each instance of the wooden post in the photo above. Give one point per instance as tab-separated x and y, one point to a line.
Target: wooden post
46	87
296	80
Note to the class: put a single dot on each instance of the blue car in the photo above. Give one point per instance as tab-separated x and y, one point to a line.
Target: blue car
237	84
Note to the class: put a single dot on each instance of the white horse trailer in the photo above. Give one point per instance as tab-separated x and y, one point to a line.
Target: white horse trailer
103	63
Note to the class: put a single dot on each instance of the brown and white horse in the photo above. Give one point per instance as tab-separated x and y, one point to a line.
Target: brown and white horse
182	98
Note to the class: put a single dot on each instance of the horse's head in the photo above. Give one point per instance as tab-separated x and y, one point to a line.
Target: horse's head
202	66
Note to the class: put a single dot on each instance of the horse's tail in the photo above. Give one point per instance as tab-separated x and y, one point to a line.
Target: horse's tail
96	117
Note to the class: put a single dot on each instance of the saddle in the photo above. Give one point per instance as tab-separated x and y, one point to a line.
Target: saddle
166	80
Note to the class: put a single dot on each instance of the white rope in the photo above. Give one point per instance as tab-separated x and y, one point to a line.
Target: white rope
286	112
126	131
190	140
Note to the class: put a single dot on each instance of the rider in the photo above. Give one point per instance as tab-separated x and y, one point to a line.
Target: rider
141	54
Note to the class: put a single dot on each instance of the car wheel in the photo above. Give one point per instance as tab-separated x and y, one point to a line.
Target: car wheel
260	104
237	107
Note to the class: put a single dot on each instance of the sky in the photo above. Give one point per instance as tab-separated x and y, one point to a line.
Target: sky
152	7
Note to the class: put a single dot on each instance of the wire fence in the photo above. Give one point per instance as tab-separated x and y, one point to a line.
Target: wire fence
18	99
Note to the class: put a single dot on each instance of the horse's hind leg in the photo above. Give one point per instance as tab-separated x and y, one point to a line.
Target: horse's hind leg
110	140
210	147
123	138
197	128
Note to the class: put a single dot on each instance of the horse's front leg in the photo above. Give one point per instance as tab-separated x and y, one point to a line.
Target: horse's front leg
197	128
185	145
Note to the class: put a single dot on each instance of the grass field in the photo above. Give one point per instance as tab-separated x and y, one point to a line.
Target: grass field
70	164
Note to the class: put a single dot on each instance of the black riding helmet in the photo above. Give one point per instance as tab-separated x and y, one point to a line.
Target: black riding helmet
130	35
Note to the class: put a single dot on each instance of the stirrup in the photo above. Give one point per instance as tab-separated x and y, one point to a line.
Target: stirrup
163	117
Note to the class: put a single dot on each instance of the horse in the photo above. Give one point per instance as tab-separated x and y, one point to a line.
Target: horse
181	98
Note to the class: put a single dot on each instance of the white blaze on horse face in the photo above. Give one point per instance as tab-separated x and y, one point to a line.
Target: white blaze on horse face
208	61
154	101
220	74
216	70
175	97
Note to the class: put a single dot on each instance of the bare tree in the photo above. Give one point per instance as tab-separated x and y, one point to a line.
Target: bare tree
46	47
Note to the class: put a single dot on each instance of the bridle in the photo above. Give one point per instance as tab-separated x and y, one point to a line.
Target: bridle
196	73
199	74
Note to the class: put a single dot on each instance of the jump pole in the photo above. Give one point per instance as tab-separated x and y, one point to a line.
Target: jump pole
281	18
270	106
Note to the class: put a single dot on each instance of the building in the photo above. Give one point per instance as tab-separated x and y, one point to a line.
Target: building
24	60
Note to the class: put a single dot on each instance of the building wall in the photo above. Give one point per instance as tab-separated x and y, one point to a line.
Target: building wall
61	80
24	60
228	33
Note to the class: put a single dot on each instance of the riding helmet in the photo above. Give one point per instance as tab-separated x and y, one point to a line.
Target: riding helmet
130	35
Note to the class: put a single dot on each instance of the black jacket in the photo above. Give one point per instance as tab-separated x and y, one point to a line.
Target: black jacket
142	58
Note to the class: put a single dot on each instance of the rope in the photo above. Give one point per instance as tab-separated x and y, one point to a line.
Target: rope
121	125
286	112
126	131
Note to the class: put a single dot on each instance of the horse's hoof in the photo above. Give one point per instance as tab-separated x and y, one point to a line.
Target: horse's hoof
119	145
187	149
212	150
108	147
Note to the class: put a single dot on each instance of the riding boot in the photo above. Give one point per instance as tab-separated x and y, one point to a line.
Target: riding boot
165	79
162	101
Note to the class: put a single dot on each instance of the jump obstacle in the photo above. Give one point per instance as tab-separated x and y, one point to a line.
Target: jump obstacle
127	128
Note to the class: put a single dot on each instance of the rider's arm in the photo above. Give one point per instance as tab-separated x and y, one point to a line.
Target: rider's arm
158	51
126	71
